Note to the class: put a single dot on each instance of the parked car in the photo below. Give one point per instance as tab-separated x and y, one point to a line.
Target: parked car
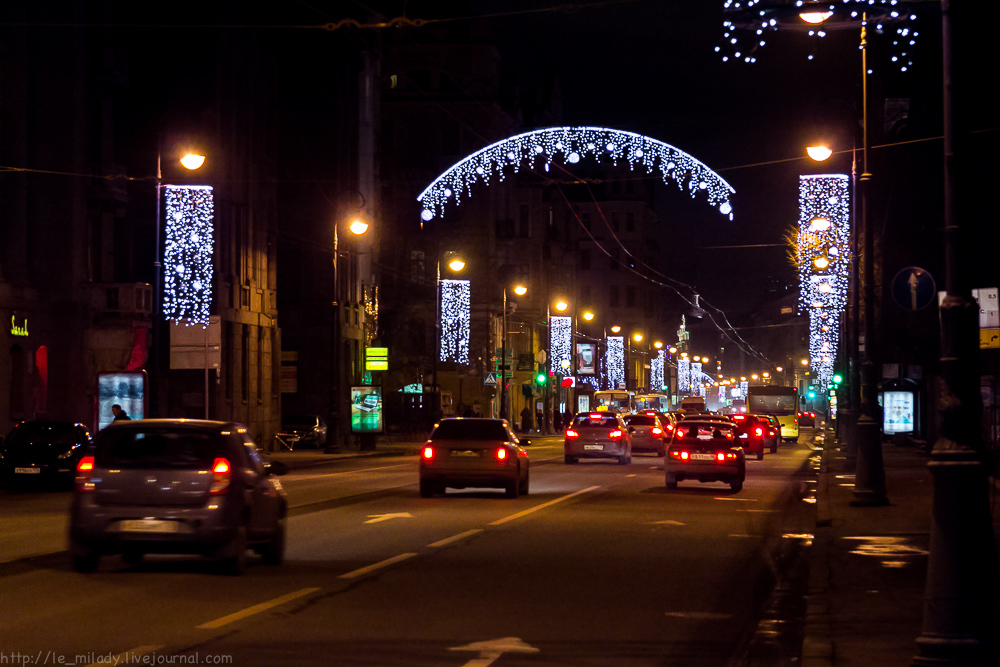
708	451
648	434
310	430
464	452
176	486
750	433
38	452
598	435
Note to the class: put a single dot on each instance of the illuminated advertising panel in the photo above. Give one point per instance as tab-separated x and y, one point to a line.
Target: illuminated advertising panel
366	409
897	413
126	389
586	358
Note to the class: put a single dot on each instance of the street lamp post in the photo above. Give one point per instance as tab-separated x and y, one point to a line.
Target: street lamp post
455	263
519	290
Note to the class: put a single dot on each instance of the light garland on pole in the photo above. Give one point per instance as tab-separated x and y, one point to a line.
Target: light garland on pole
615	361
656	366
824	261
570	145
455	317
561	344
187	253
757	20
683	375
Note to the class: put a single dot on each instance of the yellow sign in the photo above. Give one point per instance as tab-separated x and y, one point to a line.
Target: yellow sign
989	338
376	359
18	330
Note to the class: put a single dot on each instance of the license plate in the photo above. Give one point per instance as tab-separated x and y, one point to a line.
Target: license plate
148	526
465	452
600	447
27	471
702	457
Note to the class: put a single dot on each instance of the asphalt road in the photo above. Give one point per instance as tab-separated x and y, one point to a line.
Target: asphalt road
598	565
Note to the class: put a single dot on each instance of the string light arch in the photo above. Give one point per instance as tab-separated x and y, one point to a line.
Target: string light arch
570	145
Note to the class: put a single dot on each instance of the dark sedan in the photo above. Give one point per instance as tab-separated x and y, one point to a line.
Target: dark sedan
43	451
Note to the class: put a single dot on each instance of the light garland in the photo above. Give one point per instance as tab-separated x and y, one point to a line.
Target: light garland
455	309
561	344
754	22
824	260
588	380
570	145
187	253
744	389
656	366
615	361
683	375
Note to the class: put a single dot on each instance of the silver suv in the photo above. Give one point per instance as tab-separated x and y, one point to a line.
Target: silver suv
176	486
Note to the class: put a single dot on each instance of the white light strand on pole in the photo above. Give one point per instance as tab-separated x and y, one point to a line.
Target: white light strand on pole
656	365
753	23
824	259
683	375
570	145
560	345
455	317
187	253
615	361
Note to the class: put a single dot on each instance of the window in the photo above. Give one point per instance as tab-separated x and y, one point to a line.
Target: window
418	271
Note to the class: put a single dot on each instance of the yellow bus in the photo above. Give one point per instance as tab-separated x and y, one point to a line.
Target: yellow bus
782	402
613	400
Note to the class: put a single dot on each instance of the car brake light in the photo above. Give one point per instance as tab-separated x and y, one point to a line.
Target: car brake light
427	452
739	418
501	454
596	415
570	433
656	430
681	433
221	475
685	456
615	434
83	470
720	457
670	427
650	414
759	431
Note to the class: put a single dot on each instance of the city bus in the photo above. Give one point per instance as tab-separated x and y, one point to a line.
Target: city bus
657	402
782	402
613	400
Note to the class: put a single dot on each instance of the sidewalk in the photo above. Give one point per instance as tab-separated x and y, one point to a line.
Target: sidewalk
386	446
868	566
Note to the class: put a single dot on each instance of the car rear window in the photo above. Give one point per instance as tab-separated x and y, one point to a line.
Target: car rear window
48	433
158	448
706	429
600	419
640	420
470	429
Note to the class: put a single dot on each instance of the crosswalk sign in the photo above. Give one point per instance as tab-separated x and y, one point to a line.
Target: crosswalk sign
490	380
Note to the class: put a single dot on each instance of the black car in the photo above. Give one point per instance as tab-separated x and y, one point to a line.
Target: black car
308	430
43	451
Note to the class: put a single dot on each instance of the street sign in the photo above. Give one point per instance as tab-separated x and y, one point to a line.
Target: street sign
989	338
913	288
490	380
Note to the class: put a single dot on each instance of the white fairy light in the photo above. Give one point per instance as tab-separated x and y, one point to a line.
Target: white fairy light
656	371
189	249
683	375
615	361
823	256
561	344
571	144
455	309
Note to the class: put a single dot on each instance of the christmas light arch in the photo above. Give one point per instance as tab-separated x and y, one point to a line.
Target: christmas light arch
571	145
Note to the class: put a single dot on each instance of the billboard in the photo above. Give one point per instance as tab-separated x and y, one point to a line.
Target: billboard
366	409
897	412
126	389
586	358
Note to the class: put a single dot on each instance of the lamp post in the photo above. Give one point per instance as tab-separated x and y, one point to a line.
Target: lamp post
455	263
519	290
338	397
190	161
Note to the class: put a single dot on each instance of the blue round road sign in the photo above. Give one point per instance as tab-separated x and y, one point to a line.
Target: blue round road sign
913	288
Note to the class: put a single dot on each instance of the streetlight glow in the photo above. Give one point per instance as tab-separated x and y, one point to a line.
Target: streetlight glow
358	227
456	264
616	329
561	305
815	18
637	337
520	290
192	161
588	315
819	153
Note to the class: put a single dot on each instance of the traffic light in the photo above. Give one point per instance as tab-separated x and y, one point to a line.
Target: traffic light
837	379
542	376
812	392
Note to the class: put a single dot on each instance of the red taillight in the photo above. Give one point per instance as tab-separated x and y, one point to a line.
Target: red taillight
656	430
720	457
221	476
739	418
596	415
83	470
501	454
796	421
650	414
670	427
615	434
570	433
681	433
427	452
759	431
685	456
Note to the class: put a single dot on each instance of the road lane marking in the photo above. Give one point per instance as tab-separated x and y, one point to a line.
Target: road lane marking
128	657
455	538
291	476
256	609
504	520
378	518
740	500
374	566
632	475
699	615
669	522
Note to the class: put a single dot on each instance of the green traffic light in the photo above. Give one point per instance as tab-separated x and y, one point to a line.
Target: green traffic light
837	379
812	394
540	378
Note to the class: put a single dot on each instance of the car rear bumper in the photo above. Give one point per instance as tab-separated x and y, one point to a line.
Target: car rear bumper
704	471
595	450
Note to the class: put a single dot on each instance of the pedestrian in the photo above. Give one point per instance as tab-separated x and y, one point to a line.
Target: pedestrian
526	420
120	414
538	420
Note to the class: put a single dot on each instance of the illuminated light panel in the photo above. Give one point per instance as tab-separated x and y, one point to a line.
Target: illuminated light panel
823	288
748	23
455	309
187	253
683	375
561	344
570	144
615	360
656	365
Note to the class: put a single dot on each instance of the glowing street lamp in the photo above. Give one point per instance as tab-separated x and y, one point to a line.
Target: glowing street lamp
819	153
520	290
